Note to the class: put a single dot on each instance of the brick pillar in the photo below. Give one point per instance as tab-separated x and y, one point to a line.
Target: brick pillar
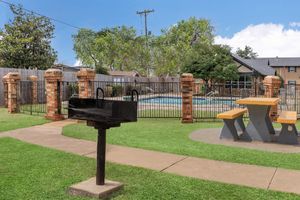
272	87
53	78
13	92
34	86
187	84
86	78
5	90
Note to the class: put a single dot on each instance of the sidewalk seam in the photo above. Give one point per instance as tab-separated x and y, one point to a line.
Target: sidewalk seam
272	178
173	164
85	154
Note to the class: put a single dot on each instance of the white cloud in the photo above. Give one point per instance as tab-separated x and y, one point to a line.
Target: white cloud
78	63
294	24
268	40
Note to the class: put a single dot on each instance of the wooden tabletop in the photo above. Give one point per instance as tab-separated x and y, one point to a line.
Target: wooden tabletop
258	101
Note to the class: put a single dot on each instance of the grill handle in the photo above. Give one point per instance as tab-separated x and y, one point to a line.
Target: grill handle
134	92
97	93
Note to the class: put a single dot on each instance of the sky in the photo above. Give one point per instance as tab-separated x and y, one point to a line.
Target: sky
270	27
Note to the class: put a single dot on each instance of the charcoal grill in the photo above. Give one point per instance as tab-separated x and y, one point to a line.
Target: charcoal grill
103	114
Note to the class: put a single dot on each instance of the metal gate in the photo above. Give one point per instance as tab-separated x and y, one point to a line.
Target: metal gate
27	105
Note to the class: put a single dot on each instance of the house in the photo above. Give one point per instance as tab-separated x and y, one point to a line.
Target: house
252	70
65	68
124	73
122	76
255	69
287	68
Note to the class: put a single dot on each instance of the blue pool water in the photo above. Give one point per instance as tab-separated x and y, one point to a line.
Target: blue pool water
178	100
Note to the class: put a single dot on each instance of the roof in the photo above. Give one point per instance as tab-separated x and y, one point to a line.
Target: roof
65	67
261	65
124	73
284	62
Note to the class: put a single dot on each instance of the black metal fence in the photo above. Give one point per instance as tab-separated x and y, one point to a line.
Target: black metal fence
27	104
290	98
163	99
156	99
210	100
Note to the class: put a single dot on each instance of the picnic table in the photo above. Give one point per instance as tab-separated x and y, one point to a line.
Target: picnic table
260	126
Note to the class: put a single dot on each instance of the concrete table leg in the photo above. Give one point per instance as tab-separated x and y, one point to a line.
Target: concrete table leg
288	134
229	131
240	126
260	126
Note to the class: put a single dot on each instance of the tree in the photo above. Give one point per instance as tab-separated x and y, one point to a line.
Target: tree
87	51
176	42
26	41
225	69
109	48
247	52
211	63
200	62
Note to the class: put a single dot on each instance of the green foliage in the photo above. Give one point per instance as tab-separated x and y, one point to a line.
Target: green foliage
115	48
119	48
117	90
247	52
176	42
211	63
26	41
73	88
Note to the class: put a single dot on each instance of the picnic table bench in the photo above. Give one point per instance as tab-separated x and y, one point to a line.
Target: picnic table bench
260	126
288	133
233	122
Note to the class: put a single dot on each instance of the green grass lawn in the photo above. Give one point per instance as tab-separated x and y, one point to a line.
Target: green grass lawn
32	172
170	135
14	121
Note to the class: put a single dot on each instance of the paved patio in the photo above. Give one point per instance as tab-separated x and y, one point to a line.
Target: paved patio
49	135
212	136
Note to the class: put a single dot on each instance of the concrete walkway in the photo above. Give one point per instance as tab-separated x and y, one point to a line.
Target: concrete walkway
49	135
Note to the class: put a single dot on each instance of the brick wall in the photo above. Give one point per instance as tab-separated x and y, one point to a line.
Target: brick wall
86	79
187	84
53	78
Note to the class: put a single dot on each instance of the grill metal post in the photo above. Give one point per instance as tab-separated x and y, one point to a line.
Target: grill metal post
101	146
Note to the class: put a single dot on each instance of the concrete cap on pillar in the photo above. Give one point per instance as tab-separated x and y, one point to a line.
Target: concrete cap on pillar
186	75
32	78
53	74
13	75
86	73
4	78
269	80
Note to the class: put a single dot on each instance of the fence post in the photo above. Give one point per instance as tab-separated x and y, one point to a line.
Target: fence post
13	92
86	77
5	92
272	87
53	78
34	86
187	84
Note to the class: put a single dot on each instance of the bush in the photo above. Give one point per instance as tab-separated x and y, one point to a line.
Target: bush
117	90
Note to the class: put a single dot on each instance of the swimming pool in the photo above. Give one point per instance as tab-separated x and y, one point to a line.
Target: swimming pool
178	100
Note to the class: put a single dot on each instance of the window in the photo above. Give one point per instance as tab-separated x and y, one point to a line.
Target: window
292	69
291	82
